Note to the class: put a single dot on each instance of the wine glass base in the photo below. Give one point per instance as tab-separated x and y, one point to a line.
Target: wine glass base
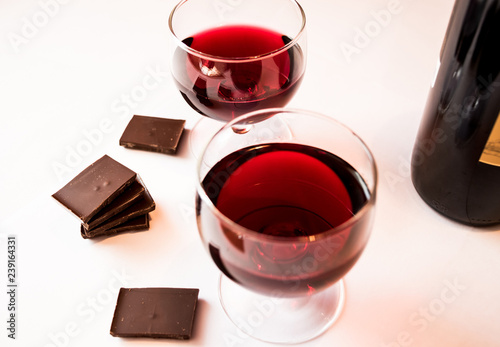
270	127
201	133
281	320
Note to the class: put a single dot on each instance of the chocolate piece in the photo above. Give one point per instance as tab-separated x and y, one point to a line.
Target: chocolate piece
137	224
95	187
143	206
153	134
155	312
140	223
131	195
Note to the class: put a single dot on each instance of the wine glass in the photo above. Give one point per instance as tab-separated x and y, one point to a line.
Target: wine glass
233	57
284	219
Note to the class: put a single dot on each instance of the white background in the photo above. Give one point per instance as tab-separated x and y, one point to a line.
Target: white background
64	73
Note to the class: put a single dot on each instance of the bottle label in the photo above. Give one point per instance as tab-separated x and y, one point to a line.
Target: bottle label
491	152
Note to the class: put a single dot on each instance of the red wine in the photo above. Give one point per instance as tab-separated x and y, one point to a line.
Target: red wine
456	158
285	191
224	89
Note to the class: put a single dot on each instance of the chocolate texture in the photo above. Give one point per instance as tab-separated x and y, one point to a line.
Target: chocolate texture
95	187
153	134
155	312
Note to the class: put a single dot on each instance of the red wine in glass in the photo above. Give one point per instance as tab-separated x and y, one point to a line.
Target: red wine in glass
239	68
287	191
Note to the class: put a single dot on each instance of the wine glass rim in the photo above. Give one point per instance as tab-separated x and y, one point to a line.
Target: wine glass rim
248	233
203	55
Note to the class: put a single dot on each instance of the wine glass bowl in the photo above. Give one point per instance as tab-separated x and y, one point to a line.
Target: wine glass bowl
230	59
286	218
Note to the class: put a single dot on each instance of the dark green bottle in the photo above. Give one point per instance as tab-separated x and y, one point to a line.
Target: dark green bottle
456	158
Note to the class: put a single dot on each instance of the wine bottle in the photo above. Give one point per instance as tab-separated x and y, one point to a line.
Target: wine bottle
456	157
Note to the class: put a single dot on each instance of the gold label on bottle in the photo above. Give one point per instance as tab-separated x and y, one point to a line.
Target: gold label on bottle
491	152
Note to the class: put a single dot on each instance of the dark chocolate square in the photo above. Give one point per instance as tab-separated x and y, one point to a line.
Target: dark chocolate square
153	134
155	312
95	187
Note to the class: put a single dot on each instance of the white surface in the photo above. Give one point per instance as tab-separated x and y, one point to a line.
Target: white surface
67	79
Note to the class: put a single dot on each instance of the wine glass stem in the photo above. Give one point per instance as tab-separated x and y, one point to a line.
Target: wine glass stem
242	129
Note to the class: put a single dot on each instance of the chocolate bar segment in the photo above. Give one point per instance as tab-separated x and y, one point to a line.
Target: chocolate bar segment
140	223
153	134
131	195
143	206
155	312
95	187
137	224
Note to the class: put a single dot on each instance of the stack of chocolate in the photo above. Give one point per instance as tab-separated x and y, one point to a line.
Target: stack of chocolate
108	198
